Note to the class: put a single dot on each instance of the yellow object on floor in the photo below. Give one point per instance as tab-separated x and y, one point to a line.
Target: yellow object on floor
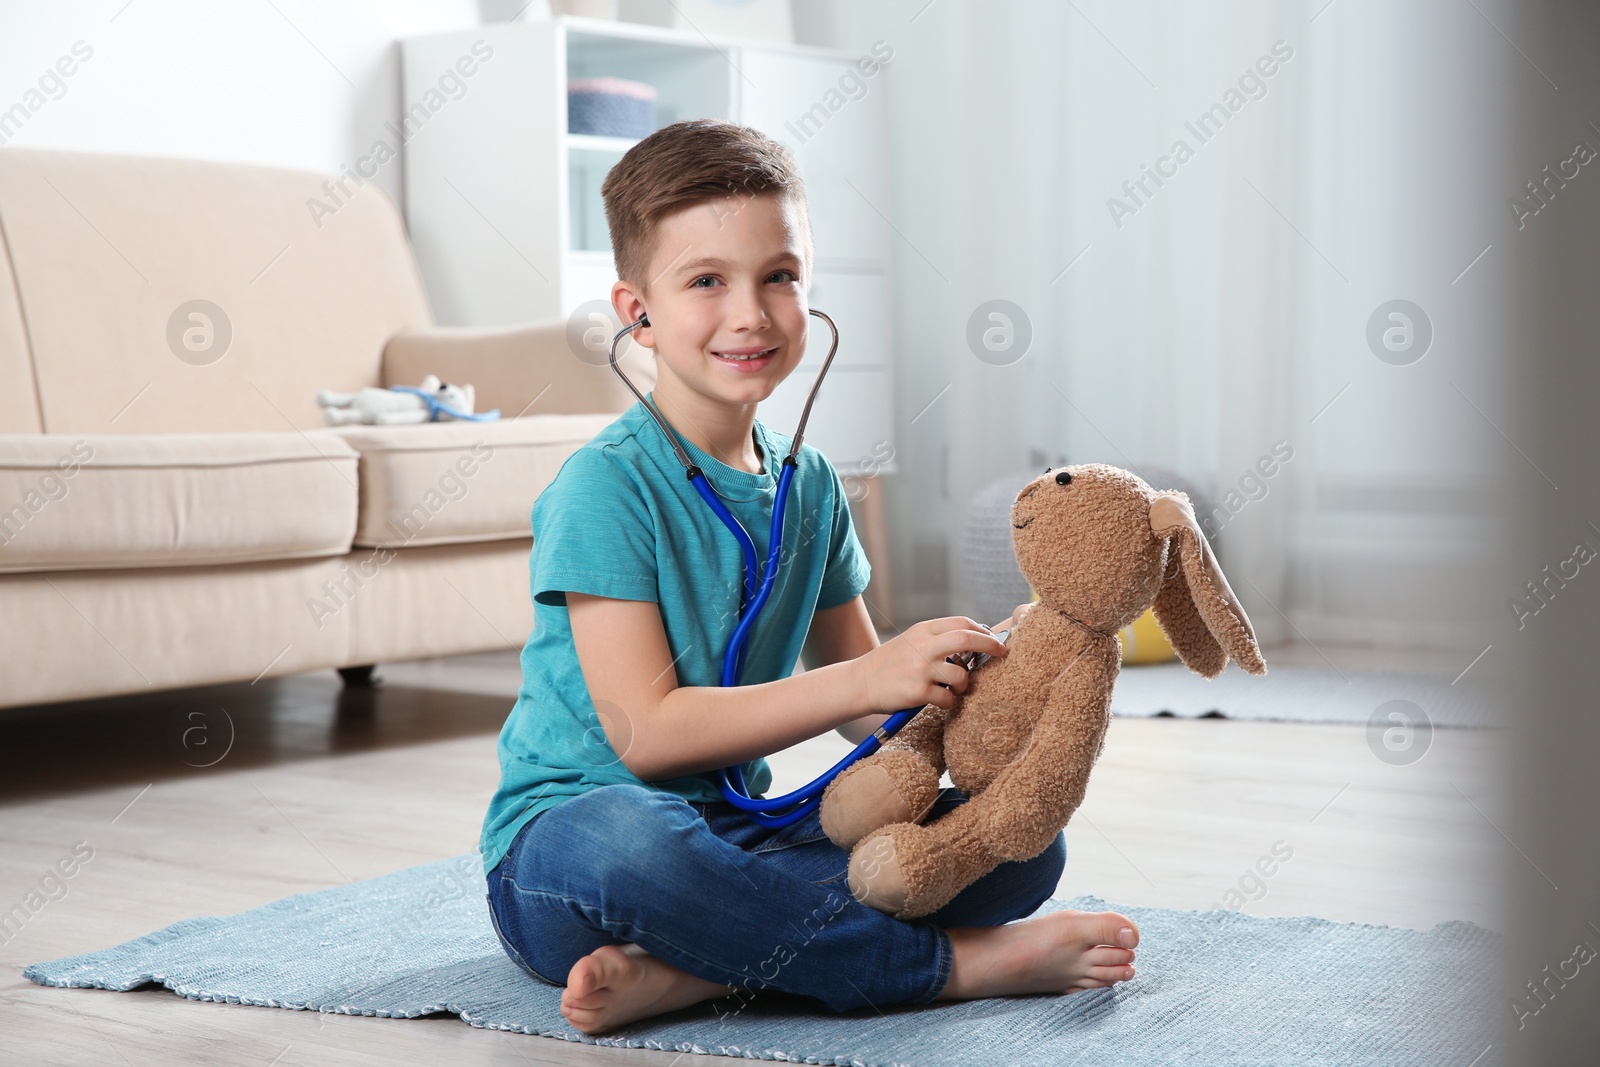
1142	640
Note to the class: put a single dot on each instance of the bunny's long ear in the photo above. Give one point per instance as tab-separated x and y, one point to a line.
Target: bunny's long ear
1195	605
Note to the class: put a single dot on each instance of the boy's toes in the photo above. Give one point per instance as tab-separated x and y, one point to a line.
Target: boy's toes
582	981
584	1019
1119	930
1108	975
1108	928
1106	956
590	980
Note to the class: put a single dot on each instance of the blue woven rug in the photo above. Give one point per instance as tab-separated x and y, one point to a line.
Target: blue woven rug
1213	987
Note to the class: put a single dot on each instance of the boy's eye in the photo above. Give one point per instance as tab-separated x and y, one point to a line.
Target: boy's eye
783	277
710	278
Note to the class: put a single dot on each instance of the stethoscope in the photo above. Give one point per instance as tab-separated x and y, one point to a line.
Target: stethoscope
752	597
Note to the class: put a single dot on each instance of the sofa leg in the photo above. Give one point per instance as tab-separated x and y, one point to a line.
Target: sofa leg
358	676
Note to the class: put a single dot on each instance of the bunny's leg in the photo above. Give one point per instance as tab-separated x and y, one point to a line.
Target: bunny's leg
910	871
896	784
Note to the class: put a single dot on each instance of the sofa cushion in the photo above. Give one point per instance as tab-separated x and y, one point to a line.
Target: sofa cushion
97	501
452	482
211	297
19	401
515	368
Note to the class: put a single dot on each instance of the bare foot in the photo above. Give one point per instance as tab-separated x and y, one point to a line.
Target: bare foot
1061	952
617	984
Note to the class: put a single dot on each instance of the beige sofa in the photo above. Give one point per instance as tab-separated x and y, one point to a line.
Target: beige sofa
174	511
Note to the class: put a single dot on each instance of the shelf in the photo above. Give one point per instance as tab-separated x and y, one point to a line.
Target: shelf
579	26
588	142
587	166
692	79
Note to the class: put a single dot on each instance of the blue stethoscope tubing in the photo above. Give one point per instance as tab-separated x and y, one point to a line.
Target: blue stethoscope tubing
767	811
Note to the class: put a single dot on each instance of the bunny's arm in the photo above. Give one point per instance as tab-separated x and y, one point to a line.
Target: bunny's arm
1036	795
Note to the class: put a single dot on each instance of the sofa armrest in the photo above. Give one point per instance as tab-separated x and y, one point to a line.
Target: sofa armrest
522	370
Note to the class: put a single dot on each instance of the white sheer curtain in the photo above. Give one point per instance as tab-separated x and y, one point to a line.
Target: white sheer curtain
1212	321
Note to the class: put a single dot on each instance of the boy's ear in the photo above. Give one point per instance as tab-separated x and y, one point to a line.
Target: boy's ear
630	308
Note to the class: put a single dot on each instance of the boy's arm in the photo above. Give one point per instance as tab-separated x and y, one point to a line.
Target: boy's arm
661	730
838	635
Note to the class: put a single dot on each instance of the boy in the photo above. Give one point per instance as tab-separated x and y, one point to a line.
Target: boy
613	860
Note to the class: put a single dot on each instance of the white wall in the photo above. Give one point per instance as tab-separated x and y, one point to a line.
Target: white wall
1229	311
294	83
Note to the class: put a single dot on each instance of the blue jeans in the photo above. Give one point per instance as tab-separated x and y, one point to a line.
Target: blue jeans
704	888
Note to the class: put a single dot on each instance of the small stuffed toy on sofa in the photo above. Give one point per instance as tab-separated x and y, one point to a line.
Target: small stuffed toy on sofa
432	402
1100	547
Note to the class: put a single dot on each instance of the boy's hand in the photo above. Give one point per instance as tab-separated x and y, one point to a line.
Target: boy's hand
910	670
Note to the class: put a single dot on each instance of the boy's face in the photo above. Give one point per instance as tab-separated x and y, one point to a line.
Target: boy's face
726	280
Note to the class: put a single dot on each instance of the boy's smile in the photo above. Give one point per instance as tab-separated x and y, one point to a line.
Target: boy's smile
726	298
748	359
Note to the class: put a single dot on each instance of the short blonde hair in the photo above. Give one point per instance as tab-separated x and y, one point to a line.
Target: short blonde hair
689	163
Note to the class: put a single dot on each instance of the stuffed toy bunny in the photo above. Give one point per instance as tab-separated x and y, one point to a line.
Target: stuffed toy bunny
432	402
1100	547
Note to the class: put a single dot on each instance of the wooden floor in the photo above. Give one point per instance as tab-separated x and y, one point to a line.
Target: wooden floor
321	785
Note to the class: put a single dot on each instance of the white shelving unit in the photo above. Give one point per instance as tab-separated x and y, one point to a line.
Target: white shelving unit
588	142
504	207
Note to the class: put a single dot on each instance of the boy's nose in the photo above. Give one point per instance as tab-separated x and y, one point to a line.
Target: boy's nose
747	310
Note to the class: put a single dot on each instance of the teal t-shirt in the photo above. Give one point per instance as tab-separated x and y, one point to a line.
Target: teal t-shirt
622	520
